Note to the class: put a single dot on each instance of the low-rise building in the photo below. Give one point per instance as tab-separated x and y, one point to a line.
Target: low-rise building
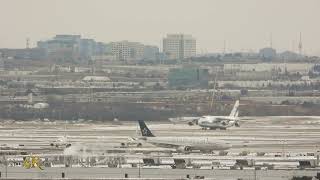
130	51
96	78
188	77
27	53
268	54
72	48
281	68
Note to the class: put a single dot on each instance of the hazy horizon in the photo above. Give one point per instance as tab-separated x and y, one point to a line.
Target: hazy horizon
244	25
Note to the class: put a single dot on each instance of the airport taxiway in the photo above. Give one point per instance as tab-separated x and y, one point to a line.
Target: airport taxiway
285	136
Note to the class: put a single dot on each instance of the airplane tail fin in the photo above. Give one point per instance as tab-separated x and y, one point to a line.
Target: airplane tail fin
235	112
145	131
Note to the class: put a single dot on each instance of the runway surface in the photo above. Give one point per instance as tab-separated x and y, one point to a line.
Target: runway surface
260	134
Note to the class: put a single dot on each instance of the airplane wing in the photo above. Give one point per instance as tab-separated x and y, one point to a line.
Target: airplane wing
222	120
186	120
247	118
167	145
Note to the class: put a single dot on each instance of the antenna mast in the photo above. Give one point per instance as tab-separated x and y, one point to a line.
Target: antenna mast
27	43
300	45
271	40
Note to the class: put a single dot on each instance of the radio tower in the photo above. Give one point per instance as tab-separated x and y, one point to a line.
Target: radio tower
300	45
27	43
271	39
224	47
28	53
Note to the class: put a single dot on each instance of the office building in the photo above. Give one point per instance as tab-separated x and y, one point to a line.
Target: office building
179	46
151	53
268	54
71	48
133	51
121	50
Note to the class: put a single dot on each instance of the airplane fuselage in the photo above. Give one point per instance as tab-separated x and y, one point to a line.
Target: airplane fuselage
215	122
186	119
188	143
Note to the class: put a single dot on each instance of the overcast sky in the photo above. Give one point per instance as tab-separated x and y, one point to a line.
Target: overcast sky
242	24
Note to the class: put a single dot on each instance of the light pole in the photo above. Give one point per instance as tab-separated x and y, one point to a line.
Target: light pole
6	165
283	144
139	175
255	173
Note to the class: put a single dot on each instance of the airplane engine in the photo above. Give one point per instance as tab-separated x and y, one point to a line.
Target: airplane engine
190	123
184	149
237	124
124	144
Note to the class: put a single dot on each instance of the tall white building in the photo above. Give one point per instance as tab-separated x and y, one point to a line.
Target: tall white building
179	46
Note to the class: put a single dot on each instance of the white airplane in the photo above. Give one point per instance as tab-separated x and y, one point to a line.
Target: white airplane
221	122
35	106
41	106
61	142
182	144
